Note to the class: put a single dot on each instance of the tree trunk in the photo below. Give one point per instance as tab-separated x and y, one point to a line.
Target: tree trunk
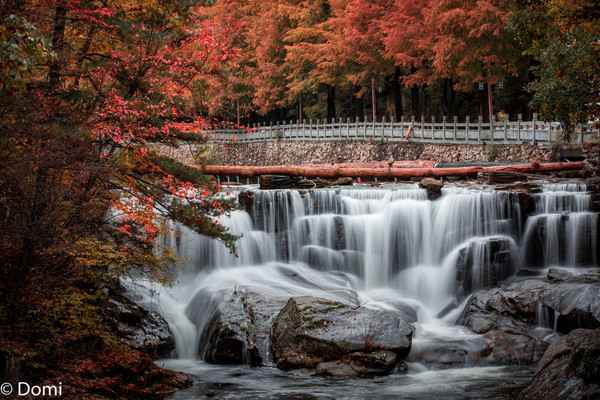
58	45
346	170
490	102
396	89
81	56
415	101
20	272
331	102
373	100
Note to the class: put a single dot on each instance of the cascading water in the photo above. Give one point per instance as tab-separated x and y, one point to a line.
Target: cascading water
374	247
388	248
564	231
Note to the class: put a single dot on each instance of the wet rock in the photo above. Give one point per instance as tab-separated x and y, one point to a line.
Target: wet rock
569	369
246	200
559	275
526	203
336	369
563	275
360	364
575	305
236	325
508	317
505	317
144	330
484	263
310	331
501	177
433	187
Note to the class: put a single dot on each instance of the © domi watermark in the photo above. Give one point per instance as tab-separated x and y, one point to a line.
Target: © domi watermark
26	389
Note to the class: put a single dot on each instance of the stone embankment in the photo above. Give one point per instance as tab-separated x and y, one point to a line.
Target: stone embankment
325	152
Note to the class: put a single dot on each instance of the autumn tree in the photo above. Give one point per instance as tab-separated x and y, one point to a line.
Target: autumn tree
87	88
408	41
360	41
315	60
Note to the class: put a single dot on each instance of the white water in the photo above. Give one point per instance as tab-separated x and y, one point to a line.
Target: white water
563	231
374	247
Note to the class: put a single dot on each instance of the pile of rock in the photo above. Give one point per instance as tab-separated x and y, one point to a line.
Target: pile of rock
520	320
333	338
338	340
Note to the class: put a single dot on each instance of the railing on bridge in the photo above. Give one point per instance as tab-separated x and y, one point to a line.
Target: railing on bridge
412	130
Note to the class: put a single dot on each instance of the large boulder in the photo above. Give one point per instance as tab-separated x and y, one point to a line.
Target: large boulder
506	319
520	319
433	187
484	263
339	339
140	328
569	369
235	325
574	305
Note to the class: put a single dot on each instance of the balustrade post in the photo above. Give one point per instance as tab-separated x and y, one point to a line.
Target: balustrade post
479	122
467	127
506	121
519	119
348	128
433	128
454	123
383	128
444	127
533	125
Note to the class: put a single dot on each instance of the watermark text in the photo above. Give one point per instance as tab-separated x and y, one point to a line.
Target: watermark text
21	389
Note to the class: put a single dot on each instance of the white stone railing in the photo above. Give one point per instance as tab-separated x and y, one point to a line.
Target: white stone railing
431	131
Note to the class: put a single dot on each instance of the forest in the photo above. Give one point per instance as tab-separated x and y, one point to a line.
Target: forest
89	87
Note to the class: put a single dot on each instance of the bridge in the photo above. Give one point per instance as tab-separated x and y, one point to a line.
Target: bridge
466	131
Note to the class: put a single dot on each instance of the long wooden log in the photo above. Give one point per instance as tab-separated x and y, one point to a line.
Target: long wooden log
334	170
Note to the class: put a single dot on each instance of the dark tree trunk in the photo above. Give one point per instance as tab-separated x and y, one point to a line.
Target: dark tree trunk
415	101
81	55
331	102
396	92
20	272
444	103
58	45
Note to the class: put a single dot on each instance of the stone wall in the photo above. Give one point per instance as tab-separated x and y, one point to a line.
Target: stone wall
591	152
308	152
311	152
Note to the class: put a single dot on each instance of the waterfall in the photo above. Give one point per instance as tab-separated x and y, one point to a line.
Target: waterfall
563	231
379	247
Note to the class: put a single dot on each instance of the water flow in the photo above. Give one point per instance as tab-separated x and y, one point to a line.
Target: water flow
563	231
379	247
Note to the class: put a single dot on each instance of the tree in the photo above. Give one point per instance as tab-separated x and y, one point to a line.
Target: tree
314	59
407	40
103	82
471	43
562	38
356	26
